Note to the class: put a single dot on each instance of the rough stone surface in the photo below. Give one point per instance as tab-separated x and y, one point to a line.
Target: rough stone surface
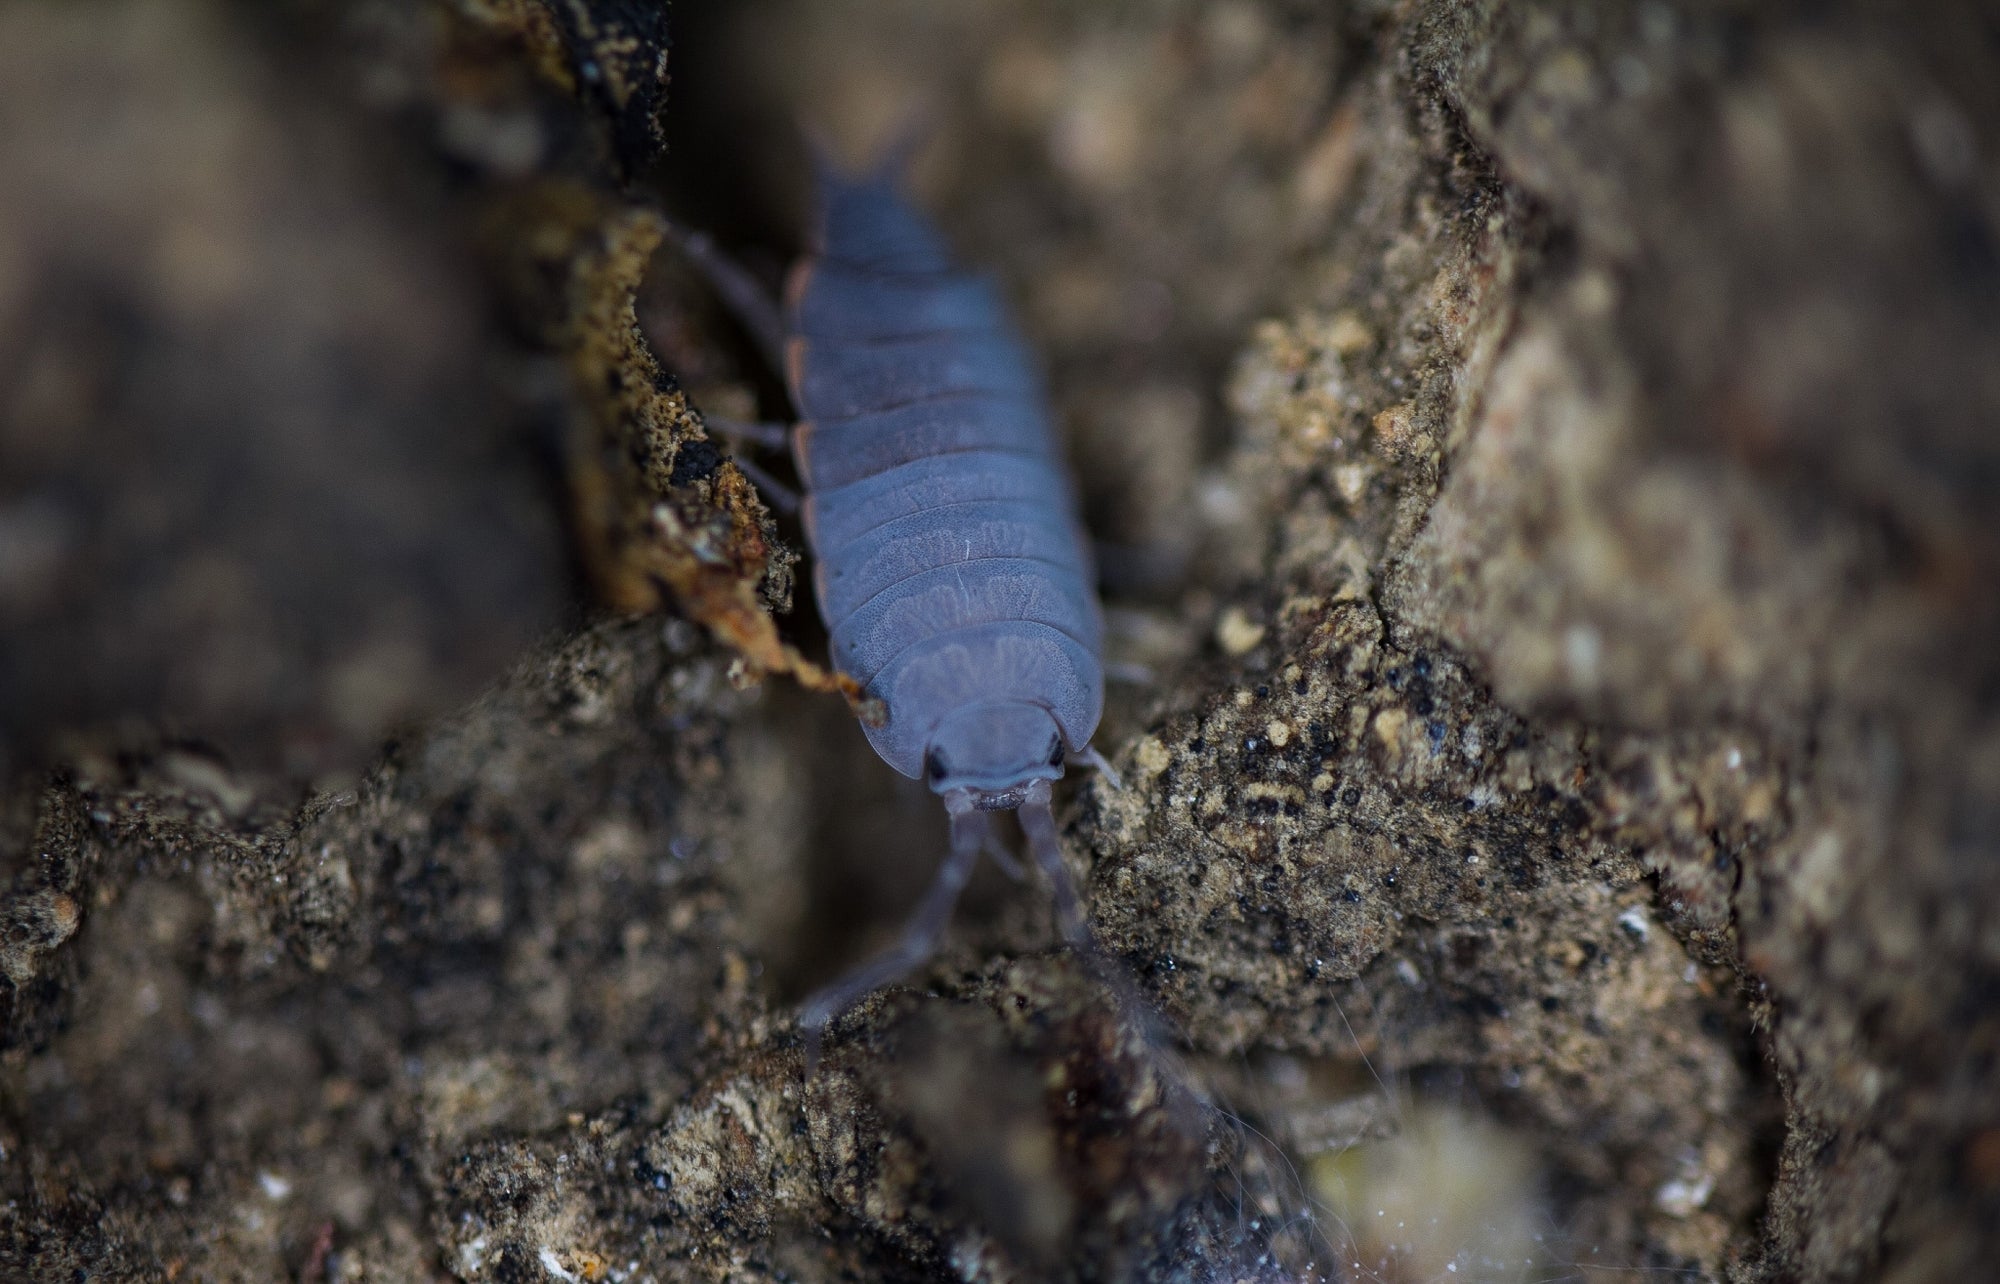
1544	457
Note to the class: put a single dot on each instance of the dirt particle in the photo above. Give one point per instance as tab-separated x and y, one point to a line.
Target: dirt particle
1236	633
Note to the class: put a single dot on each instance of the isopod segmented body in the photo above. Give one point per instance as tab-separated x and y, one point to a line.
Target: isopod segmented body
952	573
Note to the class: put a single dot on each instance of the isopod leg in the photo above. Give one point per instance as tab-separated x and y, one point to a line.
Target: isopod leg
763	434
1089	757
740	292
776	493
760	436
919	939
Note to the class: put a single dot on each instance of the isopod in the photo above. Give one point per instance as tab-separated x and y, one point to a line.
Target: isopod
951	570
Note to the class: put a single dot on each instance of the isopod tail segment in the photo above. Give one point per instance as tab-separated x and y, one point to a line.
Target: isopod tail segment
906	137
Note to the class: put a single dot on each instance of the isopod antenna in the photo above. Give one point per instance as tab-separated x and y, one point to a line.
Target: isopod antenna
971	834
1038	825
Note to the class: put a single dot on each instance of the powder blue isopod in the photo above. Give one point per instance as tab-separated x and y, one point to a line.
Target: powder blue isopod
952	573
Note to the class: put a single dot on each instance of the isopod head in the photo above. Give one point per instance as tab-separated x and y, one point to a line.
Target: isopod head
993	751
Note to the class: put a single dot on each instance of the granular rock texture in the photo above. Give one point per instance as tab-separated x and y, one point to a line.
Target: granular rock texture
1544	465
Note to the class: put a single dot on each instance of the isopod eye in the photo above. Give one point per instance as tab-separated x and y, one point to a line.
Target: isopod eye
1055	754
